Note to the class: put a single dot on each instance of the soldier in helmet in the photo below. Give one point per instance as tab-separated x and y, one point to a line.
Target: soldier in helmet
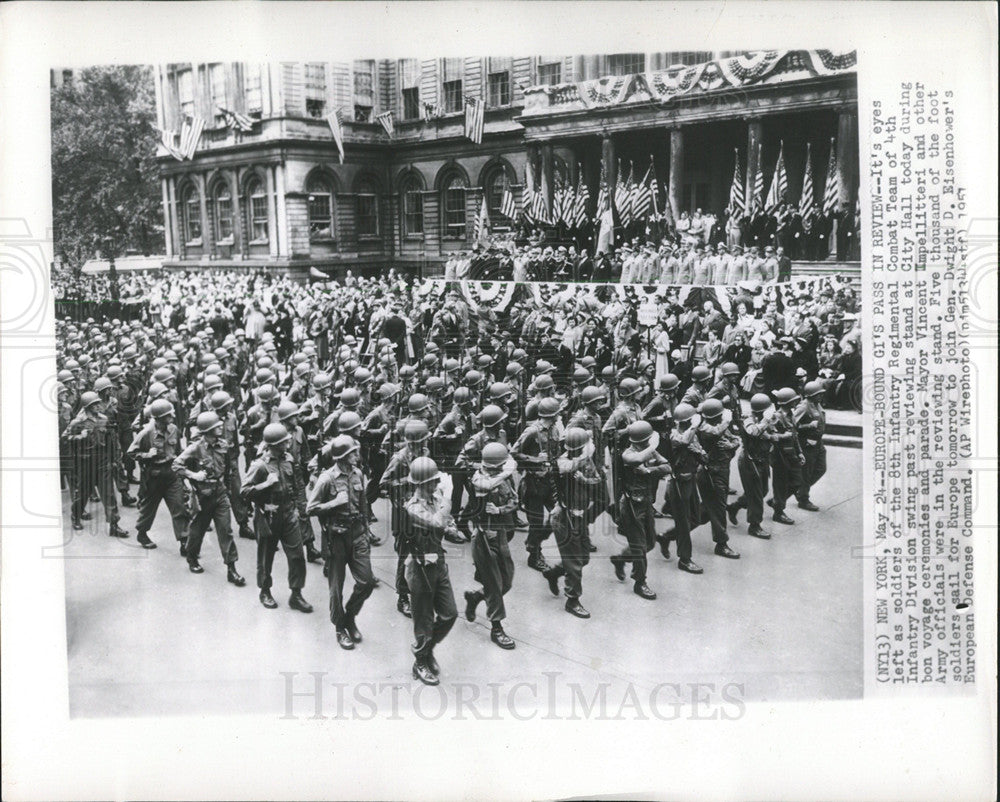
433	600
222	405
298	448
701	382
580	495
448	439
491	419
588	417
642	468
155	448
535	451
315	408
105	389
205	464
374	429
493	520
720	446
260	415
615	430
810	420
688	459
338	501
659	413
395	483
787	458
350	401
727	391
754	466
271	483
88	434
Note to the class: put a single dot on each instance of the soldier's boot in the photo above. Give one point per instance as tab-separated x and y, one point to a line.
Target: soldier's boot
144	540
472	599
422	671
116	531
501	638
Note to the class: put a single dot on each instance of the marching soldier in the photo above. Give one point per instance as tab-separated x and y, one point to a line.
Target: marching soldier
271	484
298	448
720	445
260	415
726	391
688	459
449	436
105	388
810	421
701	378
615	430
787	458
493	522
338	501
754	466
374	429
588	418
221	403
659	413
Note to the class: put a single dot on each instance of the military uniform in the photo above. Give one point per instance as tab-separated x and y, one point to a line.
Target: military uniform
448	440
581	495
396	481
810	421
720	445
210	497
534	451
615	430
688	459
786	459
493	525
639	479
92	461
754	467
158	479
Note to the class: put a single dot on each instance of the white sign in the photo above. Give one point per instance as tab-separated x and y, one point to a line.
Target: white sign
648	314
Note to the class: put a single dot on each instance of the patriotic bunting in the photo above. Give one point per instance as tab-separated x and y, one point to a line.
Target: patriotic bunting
474	119
190	135
169	141
385	120
508	208
333	120
237	120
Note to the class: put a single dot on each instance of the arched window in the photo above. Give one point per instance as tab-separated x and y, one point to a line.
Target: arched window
256	210
320	208
222	204
367	209
453	203
191	214
413	207
494	183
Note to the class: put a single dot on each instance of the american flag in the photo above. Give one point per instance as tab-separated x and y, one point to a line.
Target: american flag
482	228
779	184
758	185
333	120
508	208
538	210
831	191
169	140
736	203
385	119
237	120
622	197
431	111
190	134
642	198
475	110
807	201
580	202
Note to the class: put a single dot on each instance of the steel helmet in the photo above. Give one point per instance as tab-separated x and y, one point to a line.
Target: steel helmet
65	376
297	358
209	421
207	358
588	362
221	353
362	376
160	408
462	396
519	355
759	402
669	382
813	388
350	339
700	373
484	361
220	400
162	375
500	391
418	402
321	381
103	383
388	390
711	408
350	366
340	446
531	410
491	415
628	387
156	364
451	365
730	369
407	371
683	412
591	394
423	470
350	397
432	347
494	454
88	399
429	361
416	431
607	372
263	376
548	408
473	378
212	370
581	375
275	433
544	382
434	384
514	369
114	372
265	361
639	432
543	366
267	392
786	395
72	364
348	422
576	438
287	409
212	381
156	390
302	369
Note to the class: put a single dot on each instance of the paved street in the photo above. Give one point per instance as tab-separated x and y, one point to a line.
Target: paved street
146	637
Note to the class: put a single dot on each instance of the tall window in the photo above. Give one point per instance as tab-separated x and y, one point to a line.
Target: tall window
222	203
626	63
364	91
493	186
320	208
217	81
411	103
499	85
409	82
257	210
185	92
451	85
367	209
252	94
550	74
454	207
315	89
413	207
191	213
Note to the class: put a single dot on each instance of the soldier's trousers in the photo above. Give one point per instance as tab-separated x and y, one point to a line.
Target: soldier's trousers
494	568
813	470
754	478
124	441
713	484
213	507
786	478
399	544
432	602
536	502
348	547
573	540
241	510
459	484
686	511
280	526
90	471
635	521
162	484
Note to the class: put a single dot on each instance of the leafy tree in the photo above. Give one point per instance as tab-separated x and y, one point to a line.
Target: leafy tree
105	186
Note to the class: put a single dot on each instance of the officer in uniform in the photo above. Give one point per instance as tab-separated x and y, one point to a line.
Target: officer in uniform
338	501
260	415
205	464
374	429
493	522
580	494
810	420
433	600
688	458
720	445
155	448
754	466
787	458
271	484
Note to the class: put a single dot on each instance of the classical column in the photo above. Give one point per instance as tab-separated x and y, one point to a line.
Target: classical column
547	178
168	223
272	215
608	163
755	135
579	68
174	219
241	234
593	67
847	153
205	233
282	213
675	192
